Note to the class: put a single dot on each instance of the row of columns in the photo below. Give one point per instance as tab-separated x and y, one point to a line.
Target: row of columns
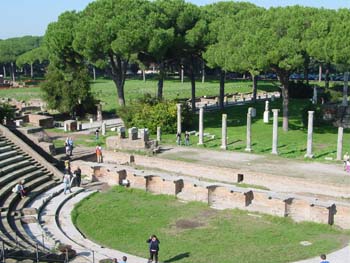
248	148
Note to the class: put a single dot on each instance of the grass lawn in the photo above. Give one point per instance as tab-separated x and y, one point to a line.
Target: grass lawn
291	144
192	232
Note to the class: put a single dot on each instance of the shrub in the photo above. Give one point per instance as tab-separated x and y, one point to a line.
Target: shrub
300	90
148	112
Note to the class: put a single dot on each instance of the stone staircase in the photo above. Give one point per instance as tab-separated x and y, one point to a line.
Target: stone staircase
18	163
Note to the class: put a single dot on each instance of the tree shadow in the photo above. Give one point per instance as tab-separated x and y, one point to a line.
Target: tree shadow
178	257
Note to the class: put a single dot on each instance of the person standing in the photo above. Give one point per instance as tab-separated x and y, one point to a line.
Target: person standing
66	146
187	138
153	242
70	144
77	174
178	138
324	259
97	134
346	158
99	153
66	183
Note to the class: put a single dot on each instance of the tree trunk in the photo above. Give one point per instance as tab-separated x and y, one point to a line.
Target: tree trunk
255	87
222	89
320	73
94	73
118	68
193	85
306	69
31	70
203	71
284	79
4	70
160	81
326	84
13	71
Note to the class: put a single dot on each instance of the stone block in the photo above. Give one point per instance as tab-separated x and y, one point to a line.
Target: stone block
160	185
342	216
220	197
132	133
70	125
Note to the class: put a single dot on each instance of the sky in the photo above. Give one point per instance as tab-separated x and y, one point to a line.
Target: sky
31	17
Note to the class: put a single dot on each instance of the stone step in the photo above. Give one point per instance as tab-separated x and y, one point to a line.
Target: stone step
5	148
6	190
3	143
11	160
8	236
12	176
18	165
9	154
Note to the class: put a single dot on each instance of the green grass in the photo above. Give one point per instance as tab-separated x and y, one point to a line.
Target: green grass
291	144
124	218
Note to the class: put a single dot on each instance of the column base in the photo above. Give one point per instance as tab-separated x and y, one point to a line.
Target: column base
309	155
223	147
248	150
274	152
200	143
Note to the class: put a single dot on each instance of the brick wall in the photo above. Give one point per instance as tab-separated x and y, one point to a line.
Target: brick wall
223	198
193	192
264	203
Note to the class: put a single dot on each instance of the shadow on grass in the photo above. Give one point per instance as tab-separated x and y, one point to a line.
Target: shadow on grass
178	257
324	154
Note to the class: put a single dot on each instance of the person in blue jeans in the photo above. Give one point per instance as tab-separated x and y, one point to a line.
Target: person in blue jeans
153	242
323	257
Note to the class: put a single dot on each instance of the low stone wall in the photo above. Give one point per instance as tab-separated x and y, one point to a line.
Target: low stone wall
41	120
222	196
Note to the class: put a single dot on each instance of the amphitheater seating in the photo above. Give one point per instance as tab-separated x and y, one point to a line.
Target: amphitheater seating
16	165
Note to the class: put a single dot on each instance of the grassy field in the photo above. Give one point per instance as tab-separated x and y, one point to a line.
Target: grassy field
105	90
291	144
194	233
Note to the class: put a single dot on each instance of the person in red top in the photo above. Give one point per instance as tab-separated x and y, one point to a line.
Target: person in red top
99	153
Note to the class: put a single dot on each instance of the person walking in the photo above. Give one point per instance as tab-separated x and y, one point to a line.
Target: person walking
99	153
153	242
124	259
324	259
66	183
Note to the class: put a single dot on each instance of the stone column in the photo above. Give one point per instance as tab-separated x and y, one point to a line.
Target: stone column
266	112
201	130
99	112
309	135
340	143
103	128
159	134
249	129
275	132
224	132
345	90
178	118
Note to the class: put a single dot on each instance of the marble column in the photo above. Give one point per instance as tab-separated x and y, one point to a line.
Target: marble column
224	132
178	118
275	132
266	112
340	143
201	130
309	135
103	128
249	129
159	134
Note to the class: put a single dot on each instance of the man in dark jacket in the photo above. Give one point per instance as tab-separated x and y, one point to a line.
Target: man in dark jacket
153	242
